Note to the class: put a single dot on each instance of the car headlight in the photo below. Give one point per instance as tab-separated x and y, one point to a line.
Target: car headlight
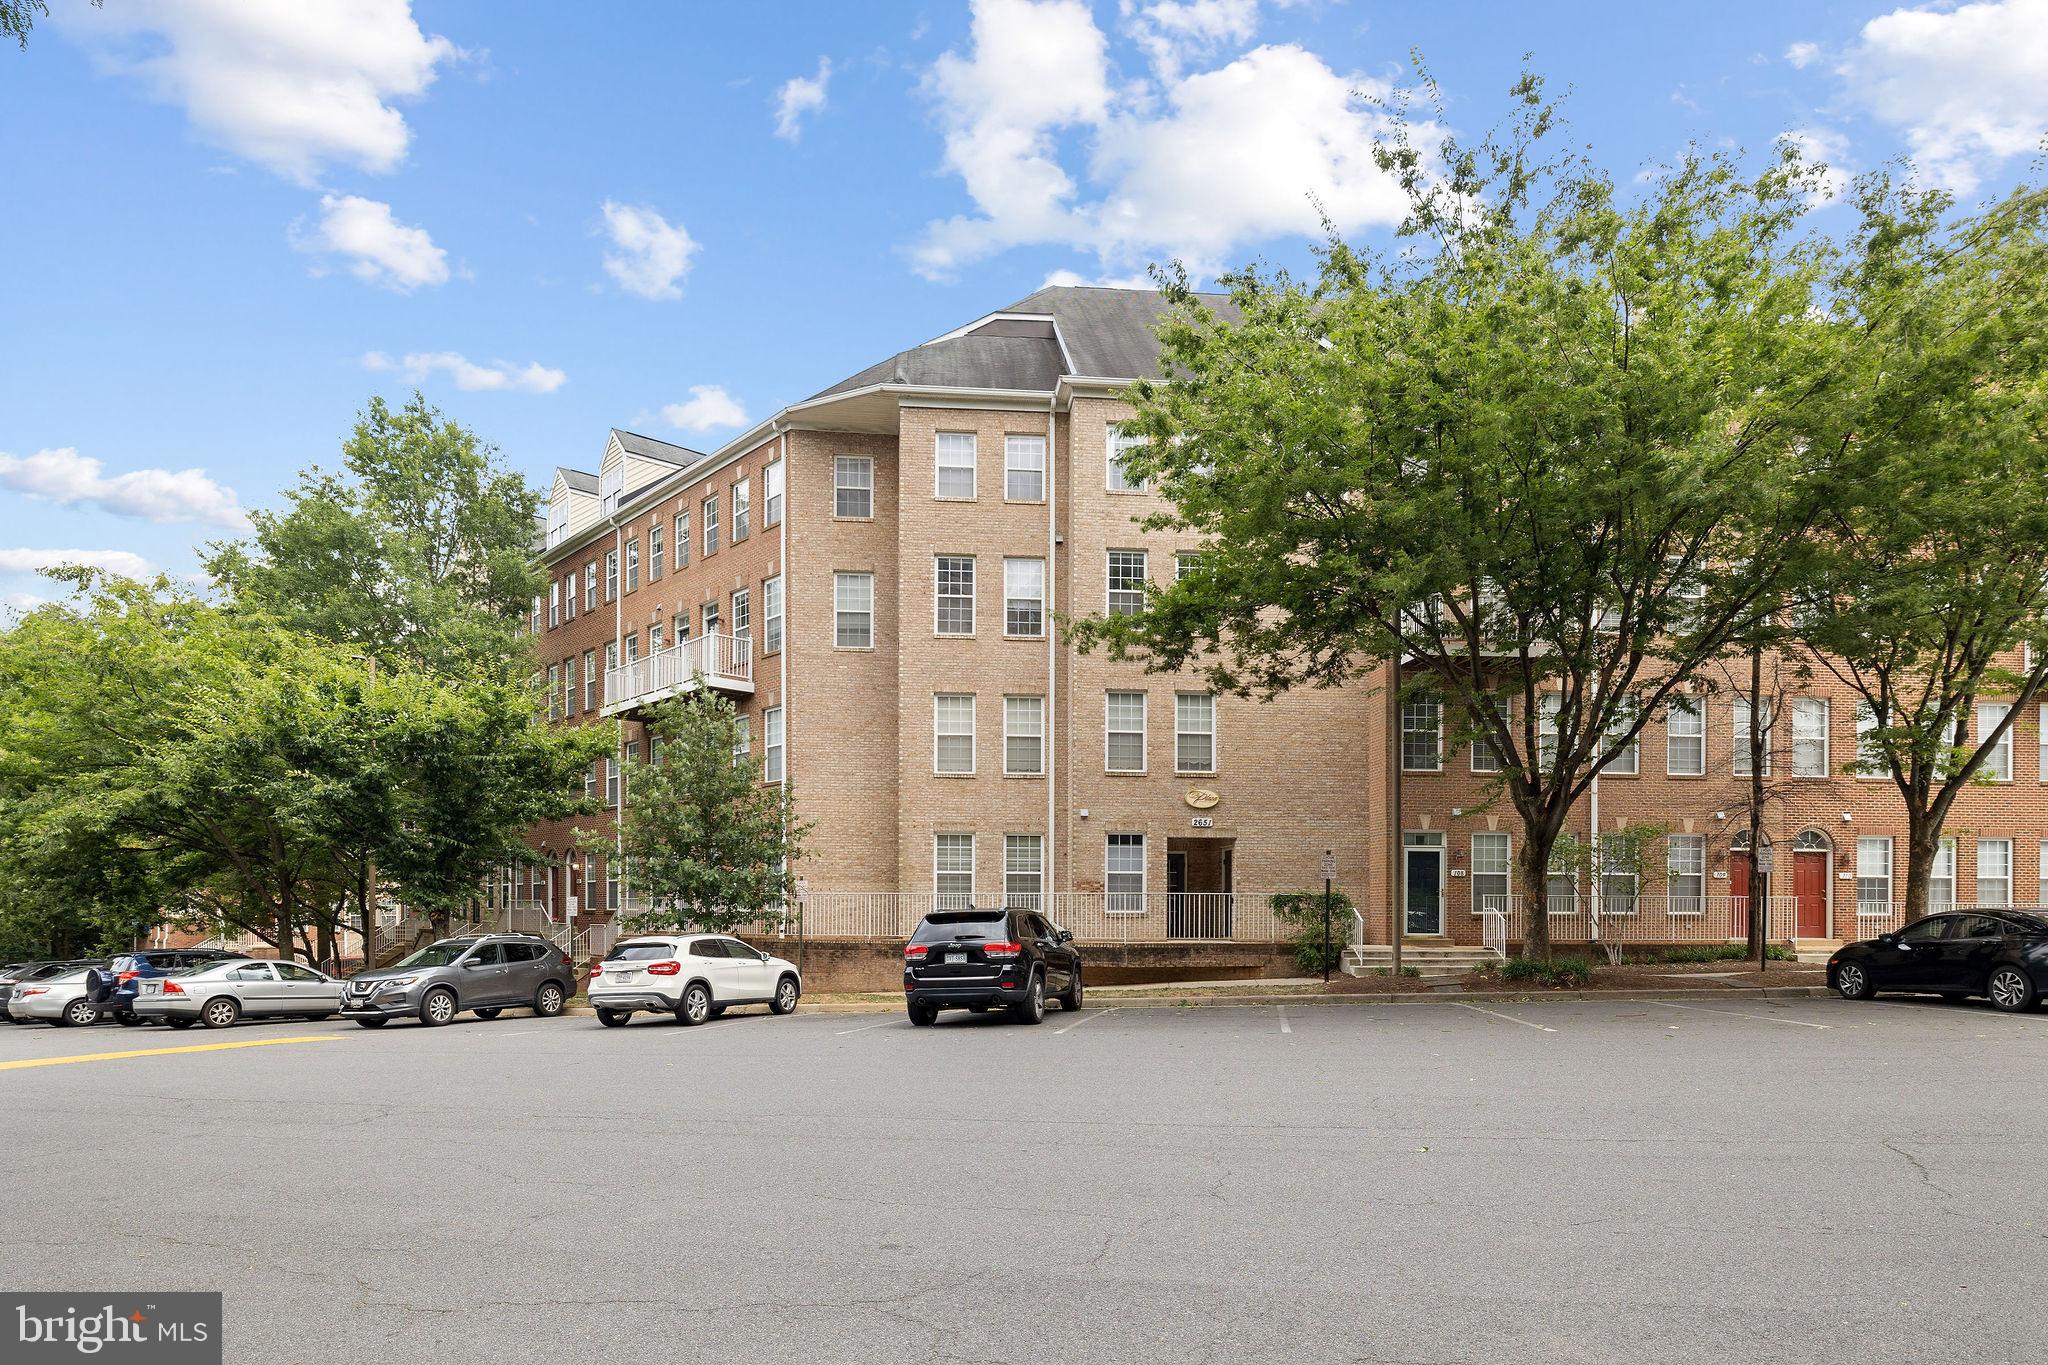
396	983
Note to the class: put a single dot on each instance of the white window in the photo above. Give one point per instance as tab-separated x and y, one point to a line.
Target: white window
590	586
954	594
1124	730
1422	732
611	575
1628	759
711	525
590	680
1739	736
742	623
1870	759
1994	872
1997	765
853	486
1124	874
554	691
1126	582
569	600
569	688
653	551
534	628
682	538
1685	873
1809	737
742	510
1185	562
710	618
853	610
1873	875
2042	898
1024	736
1194	732
1485	758
1618	880
771	744
654	636
1941	878
1492	869
554	604
743	738
1024	597
1685	737
953	870
771	494
1024	468
611	782
771	614
953	732
1548	707
633	564
954	476
2042	734
1023	870
1120	480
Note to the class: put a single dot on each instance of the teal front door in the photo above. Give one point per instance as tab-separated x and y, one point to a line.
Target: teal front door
1425	881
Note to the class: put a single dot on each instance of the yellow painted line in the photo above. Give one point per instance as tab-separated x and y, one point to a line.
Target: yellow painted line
165	1051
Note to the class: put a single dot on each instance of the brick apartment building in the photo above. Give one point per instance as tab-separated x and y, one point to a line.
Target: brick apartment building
872	574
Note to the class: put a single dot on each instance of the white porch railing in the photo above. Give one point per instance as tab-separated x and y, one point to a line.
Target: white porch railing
715	659
1620	920
1092	916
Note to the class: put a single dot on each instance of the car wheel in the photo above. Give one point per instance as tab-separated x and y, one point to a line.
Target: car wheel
179	1023
220	1012
549	1000
924	1015
1853	982
2010	989
1033	1008
613	1018
374	1021
786	992
438	1008
78	1012
490	1012
696	1006
127	1018
1070	999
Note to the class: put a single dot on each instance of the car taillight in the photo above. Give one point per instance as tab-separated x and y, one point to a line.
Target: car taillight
669	968
913	951
35	990
173	988
127	976
1001	950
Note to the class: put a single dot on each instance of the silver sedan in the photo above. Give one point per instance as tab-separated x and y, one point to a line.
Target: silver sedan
220	993
59	1000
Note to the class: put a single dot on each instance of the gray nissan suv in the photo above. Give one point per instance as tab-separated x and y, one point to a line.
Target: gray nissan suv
486	974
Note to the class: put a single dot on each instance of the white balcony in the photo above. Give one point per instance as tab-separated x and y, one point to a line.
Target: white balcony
716	660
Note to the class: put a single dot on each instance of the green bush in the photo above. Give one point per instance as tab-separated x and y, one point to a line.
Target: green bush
1302	912
1557	971
1714	952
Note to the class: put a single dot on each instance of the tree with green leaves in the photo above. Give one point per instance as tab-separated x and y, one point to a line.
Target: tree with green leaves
702	839
1546	463
1931	598
17	17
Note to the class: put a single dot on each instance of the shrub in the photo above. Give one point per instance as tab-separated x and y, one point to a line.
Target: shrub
1302	912
1558	971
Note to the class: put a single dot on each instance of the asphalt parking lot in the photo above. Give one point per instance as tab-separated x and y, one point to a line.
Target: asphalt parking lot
1718	1180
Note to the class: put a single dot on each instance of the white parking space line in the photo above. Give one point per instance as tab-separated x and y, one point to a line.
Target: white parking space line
865	1027
1496	1014
1737	1014
1285	1027
1063	1028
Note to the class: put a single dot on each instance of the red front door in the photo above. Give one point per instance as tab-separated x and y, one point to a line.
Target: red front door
1810	884
1738	887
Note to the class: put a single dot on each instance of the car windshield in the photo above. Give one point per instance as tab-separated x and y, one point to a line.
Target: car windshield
640	952
439	954
950	925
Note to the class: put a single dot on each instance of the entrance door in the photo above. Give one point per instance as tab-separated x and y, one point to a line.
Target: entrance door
1810	885
1425	882
1738	889
1176	873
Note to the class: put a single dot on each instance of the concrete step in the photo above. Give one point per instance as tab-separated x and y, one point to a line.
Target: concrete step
1430	960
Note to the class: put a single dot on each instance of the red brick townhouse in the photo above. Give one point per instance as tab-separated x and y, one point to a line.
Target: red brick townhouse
871	574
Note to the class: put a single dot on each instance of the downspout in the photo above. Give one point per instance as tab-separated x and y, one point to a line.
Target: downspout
1052	683
1597	893
788	642
619	737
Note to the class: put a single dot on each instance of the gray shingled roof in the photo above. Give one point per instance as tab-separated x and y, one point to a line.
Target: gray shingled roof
578	480
648	448
1109	335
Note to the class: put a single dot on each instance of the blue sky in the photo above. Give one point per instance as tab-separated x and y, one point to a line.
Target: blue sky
231	221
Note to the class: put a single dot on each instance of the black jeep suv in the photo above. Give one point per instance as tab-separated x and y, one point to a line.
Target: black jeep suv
972	959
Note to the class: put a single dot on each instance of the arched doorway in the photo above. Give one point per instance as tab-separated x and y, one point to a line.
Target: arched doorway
1813	865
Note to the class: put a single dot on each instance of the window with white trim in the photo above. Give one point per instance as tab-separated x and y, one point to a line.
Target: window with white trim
590	586
633	564
1422	733
1997	764
1194	732
1619	882
1023	870
1119	478
1870	758
742	510
953	593
1024	468
654	636
1685	737
1126	575
1628	759
654	564
1024	597
1941	878
1024	736
569	600
1492	870
682	528
953	732
590	680
554	604
1739	736
569	688
771	614
1994	872
743	738
853	486
709	615
1873	875
1123	874
554	691
1685	873
1124	732
853	610
1809	737
953	469
742	623
771	744
771	494
1548	707
953	870
632	646
2042	897
1485	758
710	524
611	782
611	575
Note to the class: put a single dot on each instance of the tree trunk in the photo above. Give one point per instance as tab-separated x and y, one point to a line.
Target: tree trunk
284	933
1923	847
1759	899
1534	868
325	950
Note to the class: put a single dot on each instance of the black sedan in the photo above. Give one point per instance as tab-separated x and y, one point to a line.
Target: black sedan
2002	955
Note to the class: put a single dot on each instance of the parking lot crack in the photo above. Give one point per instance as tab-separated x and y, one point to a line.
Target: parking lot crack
1920	1167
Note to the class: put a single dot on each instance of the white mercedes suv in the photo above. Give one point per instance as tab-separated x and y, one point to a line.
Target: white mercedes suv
692	976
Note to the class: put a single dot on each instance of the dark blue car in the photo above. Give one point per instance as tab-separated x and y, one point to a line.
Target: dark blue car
117	985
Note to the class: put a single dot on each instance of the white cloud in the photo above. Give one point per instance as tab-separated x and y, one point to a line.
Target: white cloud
291	86
122	562
652	254
1803	55
798	96
381	249
69	479
1209	162
23	601
709	409
1068	279
1172	33
1966	84
498	376
1828	148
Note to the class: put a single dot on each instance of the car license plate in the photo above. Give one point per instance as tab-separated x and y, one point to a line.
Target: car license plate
956	957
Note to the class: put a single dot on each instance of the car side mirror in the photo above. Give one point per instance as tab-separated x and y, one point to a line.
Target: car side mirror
1887	938
1065	936
471	964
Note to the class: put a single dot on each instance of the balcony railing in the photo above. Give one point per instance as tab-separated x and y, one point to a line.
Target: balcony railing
715	659
1092	916
1619	919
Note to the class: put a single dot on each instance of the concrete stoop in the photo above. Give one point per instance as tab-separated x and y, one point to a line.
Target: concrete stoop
1429	958
1814	949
